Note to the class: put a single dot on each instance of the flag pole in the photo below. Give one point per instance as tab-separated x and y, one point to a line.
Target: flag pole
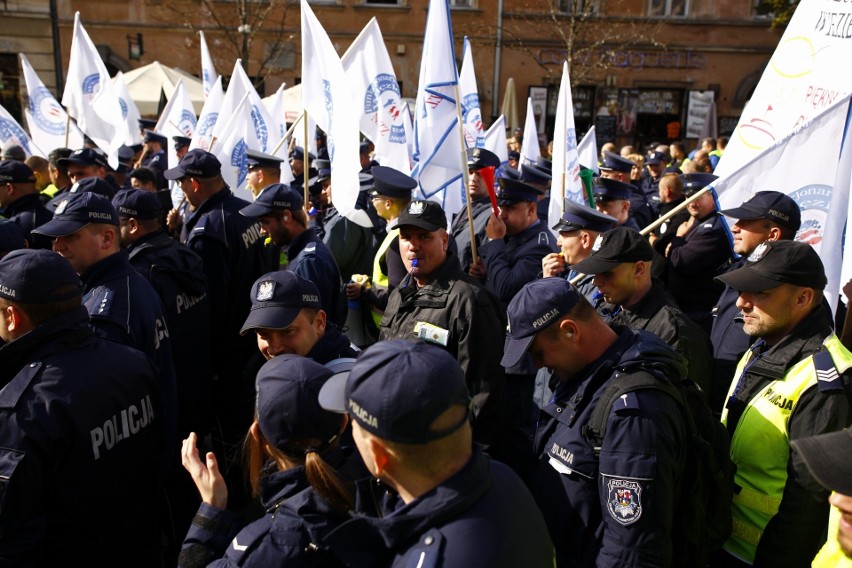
305	160
287	134
466	175
67	127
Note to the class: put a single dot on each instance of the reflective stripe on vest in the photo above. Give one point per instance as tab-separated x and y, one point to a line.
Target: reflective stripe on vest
760	446
380	279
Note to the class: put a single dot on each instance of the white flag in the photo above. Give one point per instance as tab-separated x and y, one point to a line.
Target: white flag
206	123
587	149
327	98
177	119
566	159
89	97
438	152
822	197
530	150
240	86
471	113
12	133
382	111
129	113
278	120
495	139
804	76
46	118
230	149
208	70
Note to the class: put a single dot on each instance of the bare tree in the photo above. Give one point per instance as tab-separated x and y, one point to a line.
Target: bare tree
779	10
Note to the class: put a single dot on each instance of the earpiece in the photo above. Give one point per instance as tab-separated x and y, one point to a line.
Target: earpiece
569	334
285	218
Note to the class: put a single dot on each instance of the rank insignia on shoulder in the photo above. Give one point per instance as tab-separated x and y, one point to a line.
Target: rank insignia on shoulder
624	500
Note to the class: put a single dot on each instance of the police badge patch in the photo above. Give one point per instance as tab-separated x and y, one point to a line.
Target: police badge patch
624	500
598	243
264	290
416	208
758	253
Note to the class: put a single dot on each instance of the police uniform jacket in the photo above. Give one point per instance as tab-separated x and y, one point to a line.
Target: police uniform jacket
311	259
291	532
729	341
650	188
616	509
332	345
177	275
28	213
640	209
481	210
470	324
795	533
585	285
158	163
80	446
481	516
693	262
631	224
350	243
658	313
511	263
233	257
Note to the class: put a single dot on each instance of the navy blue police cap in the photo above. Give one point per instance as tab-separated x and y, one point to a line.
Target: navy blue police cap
13	171
94	185
514	155
84	157
536	173
696	182
576	216
397	389
196	163
478	158
125	155
151	136
534	308
392	183
426	215
515	191
657	158
365	182
606	189
509	172
146	123
32	276
298	153
79	210
137	203
277	298
323	169
288	409
772	205
181	142
774	263
616	163
364	147
615	247
11	236
276	197
257	159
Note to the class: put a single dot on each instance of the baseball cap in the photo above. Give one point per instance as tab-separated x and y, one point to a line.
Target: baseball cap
196	163
772	205
534	308
615	247
94	185
137	203
576	216
392	183
12	151
277	298
657	158
288	409
396	389
478	158
774	263
30	276
12	171
426	215
76	212
84	157
275	197
827	458
696	182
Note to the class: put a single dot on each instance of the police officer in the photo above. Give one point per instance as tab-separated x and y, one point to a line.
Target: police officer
288	318
81	164
793	382
20	202
613	198
578	230
441	502
297	161
621	264
766	216
439	303
280	209
81	423
655	165
263	170
154	156
618	168
670	197
181	145
696	253
481	164
391	194
539	175
602	508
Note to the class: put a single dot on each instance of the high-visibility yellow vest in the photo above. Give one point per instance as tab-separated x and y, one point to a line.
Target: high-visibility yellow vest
380	279
831	555
760	447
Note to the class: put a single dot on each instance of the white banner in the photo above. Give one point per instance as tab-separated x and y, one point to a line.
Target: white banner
698	112
46	118
208	118
12	133
471	113
208	70
566	182
530	150
495	139
240	86
587	150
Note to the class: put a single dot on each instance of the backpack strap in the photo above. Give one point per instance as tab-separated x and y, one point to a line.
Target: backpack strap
624	382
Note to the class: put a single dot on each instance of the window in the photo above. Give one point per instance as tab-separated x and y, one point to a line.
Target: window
384	2
658	8
578	7
462	3
10	85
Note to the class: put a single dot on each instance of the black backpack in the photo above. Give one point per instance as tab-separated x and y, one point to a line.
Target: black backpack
703	519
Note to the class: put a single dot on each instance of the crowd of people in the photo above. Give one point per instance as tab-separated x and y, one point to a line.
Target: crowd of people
223	381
